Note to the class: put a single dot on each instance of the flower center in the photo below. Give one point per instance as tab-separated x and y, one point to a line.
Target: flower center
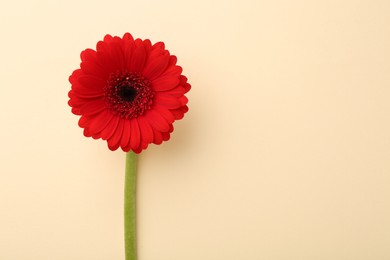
128	94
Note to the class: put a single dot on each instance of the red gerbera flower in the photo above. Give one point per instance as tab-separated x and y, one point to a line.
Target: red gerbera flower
128	92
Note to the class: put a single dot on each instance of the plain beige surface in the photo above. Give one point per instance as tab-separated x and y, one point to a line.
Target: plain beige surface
283	155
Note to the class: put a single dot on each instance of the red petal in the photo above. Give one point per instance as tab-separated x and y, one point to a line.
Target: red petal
77	100
138	42
109	53
173	71
90	81
164	83
138	59
117	55
165	136
138	150
93	68
147	44
113	142
93	107
87	133
145	130
88	55
75	75
84	121
128	37
126	148
111	128
179	113
95	136
155	67
107	38
157	137
76	111
183	82
157	121
157	50
100	122
135	134
183	100
126	134
128	48
144	145
104	56
83	92
166	113
184	109
166	100
172	60
176	92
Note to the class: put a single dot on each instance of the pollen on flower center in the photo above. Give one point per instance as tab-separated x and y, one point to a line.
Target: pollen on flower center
128	94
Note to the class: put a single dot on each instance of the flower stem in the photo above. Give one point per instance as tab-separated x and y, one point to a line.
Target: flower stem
130	206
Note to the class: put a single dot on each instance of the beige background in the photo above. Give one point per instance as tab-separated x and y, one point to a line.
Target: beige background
283	155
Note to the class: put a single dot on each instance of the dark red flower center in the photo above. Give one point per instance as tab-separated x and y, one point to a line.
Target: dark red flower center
128	94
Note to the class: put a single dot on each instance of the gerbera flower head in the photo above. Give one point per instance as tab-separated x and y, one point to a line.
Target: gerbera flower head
128	92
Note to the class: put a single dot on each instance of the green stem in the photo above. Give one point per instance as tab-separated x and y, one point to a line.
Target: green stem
130	206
